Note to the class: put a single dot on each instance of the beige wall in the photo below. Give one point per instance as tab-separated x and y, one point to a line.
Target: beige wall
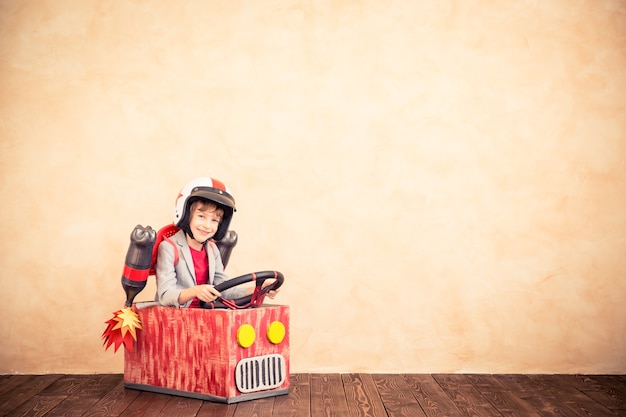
443	183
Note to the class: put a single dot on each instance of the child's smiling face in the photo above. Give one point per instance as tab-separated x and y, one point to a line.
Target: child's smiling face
205	220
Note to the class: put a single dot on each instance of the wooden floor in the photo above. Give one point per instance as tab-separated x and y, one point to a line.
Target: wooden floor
330	395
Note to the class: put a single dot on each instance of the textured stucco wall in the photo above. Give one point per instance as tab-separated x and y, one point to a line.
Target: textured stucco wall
443	183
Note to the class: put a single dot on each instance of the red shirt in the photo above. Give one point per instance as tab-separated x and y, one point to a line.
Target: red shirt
201	267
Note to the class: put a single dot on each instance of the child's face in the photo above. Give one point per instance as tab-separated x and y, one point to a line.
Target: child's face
205	219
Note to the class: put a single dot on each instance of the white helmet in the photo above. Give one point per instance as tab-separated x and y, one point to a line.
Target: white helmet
209	189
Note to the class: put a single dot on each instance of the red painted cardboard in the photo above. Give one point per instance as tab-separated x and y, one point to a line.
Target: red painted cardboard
194	352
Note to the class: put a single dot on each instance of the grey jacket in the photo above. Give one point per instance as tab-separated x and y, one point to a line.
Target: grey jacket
172	279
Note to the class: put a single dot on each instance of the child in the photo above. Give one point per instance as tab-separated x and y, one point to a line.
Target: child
203	211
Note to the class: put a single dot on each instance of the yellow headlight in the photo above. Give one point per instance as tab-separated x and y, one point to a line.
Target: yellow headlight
276	332
245	335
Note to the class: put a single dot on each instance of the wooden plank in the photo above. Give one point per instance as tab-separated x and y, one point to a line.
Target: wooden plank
396	396
37	406
23	392
298	402
519	383
352	395
114	402
615	383
50	397
603	392
362	396
260	407
213	409
501	396
327	396
9	383
67	385
146	404
88	394
429	394
543	401
573	401
465	396
180	407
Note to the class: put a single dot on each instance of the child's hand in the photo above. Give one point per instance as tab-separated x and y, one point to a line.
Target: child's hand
207	293
272	293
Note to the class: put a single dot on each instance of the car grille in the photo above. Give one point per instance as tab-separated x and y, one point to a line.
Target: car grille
260	373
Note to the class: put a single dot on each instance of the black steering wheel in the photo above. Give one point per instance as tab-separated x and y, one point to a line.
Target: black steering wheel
248	300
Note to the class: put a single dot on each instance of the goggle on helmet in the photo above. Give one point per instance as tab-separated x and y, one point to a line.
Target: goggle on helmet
209	189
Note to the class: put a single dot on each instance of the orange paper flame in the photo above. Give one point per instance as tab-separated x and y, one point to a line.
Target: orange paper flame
122	329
